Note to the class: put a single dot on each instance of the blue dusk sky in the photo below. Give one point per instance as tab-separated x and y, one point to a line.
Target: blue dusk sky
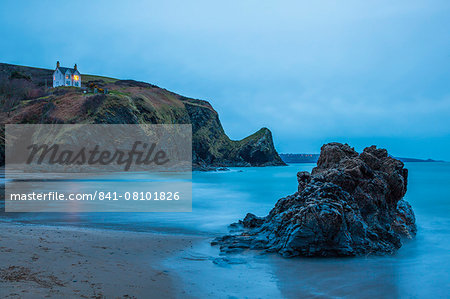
361	72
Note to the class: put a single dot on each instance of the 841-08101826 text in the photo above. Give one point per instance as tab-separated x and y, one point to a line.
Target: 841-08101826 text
97	195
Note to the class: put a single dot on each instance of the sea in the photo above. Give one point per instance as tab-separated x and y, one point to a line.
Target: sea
420	268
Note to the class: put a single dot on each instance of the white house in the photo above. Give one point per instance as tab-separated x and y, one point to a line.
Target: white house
64	76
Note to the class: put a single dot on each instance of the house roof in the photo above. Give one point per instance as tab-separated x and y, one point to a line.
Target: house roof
65	69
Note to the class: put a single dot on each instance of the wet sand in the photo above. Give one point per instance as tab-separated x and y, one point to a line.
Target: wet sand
56	262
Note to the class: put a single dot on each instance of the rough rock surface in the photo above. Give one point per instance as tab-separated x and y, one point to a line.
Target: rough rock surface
351	204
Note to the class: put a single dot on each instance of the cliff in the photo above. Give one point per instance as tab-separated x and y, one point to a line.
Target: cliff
351	204
26	98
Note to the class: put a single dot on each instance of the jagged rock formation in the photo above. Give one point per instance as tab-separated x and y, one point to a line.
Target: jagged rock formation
24	98
351	204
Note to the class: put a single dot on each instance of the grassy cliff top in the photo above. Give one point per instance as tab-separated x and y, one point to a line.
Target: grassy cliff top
26	96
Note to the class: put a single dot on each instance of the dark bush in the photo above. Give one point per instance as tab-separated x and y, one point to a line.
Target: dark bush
12	91
134	83
92	103
19	75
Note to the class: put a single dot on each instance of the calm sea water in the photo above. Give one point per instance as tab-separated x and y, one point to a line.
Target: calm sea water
219	198
420	269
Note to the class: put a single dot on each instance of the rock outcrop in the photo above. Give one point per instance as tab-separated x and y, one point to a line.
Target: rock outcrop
351	204
24	98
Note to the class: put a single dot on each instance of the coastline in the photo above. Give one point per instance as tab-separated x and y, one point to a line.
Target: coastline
55	261
417	270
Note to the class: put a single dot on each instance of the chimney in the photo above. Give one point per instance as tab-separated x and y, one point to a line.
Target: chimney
75	67
57	64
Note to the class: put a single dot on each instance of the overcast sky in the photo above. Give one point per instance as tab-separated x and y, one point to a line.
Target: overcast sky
367	72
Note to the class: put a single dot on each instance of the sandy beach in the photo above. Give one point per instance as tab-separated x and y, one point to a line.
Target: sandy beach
56	262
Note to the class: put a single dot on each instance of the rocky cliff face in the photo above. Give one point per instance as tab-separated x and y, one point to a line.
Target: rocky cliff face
24	99
351	204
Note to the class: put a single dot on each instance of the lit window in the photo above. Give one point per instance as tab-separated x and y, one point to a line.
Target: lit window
67	76
76	77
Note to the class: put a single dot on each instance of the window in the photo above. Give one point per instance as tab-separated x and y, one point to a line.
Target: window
76	77
67	76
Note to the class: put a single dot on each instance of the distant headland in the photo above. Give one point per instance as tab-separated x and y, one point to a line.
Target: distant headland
312	158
